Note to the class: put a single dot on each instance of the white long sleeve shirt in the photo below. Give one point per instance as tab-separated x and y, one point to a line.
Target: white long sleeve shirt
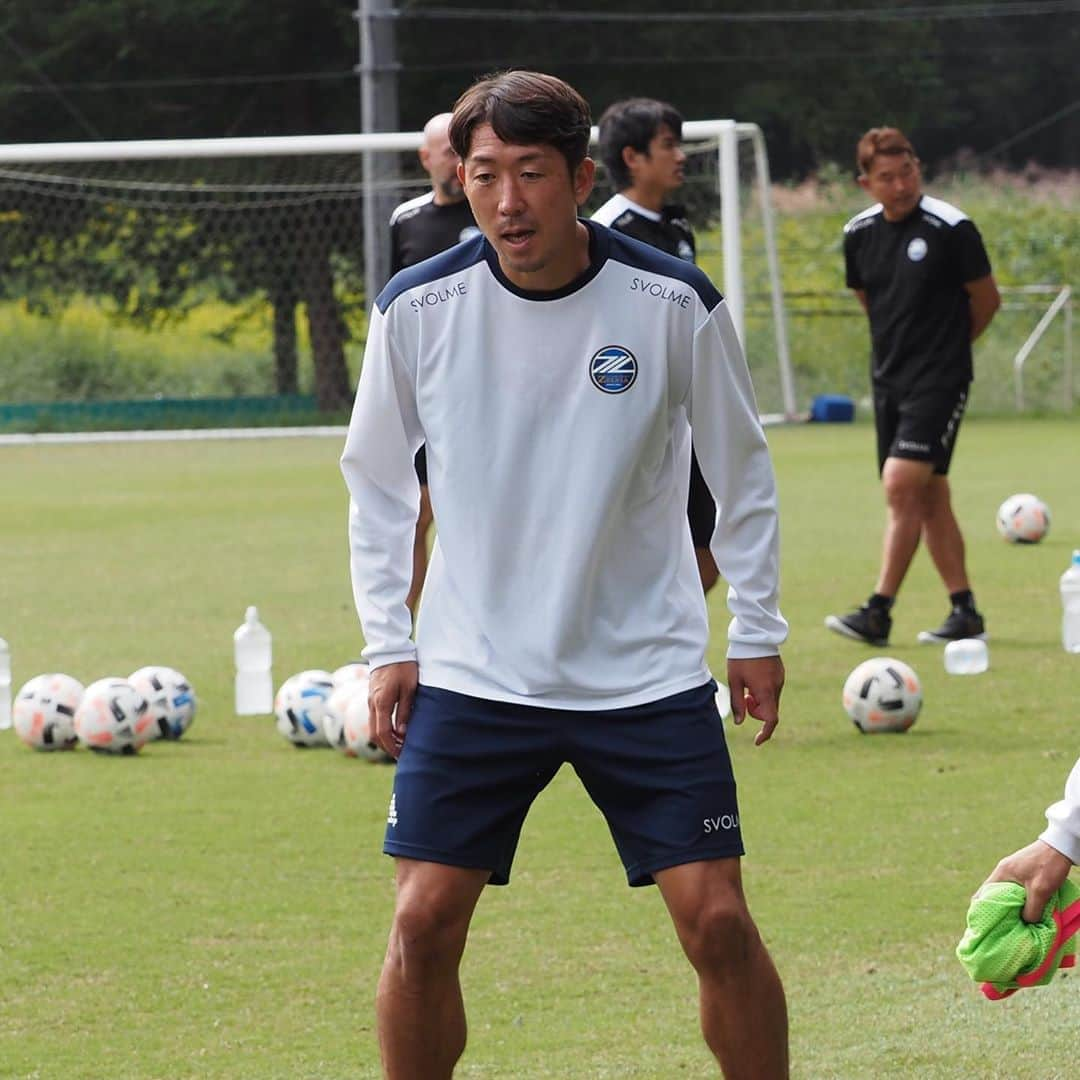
1063	820
557	428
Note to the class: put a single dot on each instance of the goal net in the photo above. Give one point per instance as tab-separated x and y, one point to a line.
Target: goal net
228	267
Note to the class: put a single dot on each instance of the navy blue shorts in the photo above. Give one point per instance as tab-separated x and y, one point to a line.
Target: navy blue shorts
471	768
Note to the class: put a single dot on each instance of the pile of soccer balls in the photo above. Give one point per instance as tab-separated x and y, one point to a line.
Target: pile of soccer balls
320	708
110	716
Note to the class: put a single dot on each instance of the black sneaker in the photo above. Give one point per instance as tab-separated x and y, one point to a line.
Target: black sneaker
867	624
957	625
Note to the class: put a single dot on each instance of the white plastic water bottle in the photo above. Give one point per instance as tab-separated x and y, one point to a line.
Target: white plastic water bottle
254	660
5	685
1070	605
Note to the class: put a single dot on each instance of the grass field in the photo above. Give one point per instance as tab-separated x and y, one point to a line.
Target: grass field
217	908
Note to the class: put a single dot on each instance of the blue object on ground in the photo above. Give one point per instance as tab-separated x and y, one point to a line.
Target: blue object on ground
832	408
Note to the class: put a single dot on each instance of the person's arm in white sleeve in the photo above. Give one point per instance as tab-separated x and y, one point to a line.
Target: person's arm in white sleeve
735	462
1063	820
384	435
1042	867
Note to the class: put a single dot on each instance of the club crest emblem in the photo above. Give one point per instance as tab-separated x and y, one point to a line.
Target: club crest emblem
613	369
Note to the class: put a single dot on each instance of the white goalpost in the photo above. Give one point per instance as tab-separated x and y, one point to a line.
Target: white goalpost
243	197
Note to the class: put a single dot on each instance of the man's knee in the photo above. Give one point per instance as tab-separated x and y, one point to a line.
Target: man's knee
720	934
907	486
431	921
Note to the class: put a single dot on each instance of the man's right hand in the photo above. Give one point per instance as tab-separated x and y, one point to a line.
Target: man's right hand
391	692
1041	870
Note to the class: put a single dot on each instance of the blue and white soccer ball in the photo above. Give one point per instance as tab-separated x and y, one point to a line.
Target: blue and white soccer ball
170	698
1023	519
113	717
882	694
300	705
44	712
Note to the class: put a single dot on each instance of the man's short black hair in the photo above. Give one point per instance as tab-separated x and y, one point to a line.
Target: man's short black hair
524	108
634	122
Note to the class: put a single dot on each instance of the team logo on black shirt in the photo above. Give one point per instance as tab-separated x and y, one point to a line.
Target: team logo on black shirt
613	369
916	250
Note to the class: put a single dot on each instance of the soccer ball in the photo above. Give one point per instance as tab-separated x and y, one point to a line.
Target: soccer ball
44	713
300	705
349	695
358	733
882	695
1023	519
113	717
351	672
170	697
355	738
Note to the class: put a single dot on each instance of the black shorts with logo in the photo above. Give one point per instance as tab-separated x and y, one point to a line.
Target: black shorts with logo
920	424
470	769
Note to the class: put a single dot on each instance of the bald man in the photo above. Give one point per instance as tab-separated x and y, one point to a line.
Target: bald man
438	219
420	228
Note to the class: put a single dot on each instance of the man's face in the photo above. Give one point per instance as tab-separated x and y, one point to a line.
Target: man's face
895	181
661	168
526	203
440	162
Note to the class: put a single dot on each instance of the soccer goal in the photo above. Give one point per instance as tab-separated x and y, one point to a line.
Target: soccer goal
218	245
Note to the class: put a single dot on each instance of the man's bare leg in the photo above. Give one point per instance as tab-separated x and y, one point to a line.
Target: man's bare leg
421	1013
707	568
743	1011
905	484
943	537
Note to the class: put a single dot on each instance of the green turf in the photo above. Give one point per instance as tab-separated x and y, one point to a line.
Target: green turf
217	908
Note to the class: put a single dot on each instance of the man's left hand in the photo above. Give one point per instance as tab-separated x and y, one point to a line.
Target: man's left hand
755	687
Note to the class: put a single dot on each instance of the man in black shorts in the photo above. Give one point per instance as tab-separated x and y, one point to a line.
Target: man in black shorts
920	271
641	149
562	621
420	228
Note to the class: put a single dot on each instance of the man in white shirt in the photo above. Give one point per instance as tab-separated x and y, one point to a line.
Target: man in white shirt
553	369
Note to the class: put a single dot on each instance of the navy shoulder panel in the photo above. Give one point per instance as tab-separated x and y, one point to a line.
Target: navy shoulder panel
641	256
452	261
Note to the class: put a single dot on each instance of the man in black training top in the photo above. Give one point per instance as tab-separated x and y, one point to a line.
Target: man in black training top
641	148
420	228
920	271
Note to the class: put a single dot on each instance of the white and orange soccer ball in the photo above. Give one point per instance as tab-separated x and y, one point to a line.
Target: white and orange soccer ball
44	712
351	672
113	717
344	702
881	695
1023	519
170	698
